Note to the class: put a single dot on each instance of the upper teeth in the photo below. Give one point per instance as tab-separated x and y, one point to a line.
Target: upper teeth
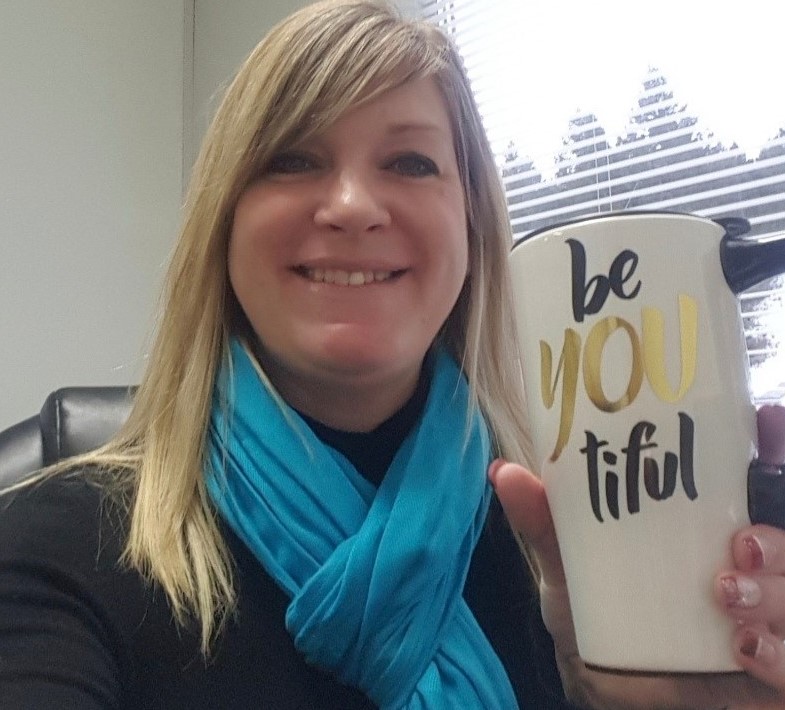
346	278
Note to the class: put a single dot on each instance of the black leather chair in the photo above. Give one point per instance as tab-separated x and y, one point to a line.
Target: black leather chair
73	420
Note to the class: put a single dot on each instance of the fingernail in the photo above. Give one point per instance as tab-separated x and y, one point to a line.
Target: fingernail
755	549
493	470
754	646
740	592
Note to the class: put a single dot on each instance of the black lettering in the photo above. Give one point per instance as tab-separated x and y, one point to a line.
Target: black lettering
591	451
632	468
620	274
596	290
588	297
612	493
686	452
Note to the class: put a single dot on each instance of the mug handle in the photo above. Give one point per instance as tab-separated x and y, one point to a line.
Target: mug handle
734	226
766	494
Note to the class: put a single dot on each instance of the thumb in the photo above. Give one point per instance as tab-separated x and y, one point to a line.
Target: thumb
523	499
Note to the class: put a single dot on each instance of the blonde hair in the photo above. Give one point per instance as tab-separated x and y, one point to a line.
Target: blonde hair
309	69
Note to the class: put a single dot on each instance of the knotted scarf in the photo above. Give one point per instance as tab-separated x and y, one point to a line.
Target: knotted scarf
375	576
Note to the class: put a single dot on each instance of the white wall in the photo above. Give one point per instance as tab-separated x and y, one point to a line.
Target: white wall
90	187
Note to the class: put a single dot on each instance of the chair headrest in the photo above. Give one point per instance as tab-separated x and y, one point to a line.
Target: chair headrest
75	420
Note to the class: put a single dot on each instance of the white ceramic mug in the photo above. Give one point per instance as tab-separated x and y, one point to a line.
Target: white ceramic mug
636	378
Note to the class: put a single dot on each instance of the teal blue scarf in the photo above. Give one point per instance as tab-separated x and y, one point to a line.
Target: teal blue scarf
375	576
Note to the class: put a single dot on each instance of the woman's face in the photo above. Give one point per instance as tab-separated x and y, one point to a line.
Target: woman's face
349	251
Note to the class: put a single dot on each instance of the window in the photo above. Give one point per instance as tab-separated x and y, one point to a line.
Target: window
603	106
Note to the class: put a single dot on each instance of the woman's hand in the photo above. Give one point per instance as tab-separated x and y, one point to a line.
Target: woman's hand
753	593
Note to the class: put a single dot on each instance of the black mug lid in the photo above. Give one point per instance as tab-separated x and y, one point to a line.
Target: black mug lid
735	225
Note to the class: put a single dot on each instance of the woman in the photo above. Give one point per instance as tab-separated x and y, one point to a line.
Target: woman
296	514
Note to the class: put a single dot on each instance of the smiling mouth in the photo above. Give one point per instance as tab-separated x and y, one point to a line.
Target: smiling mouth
341	277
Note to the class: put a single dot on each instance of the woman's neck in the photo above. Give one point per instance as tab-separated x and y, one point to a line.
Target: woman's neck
348	403
371	453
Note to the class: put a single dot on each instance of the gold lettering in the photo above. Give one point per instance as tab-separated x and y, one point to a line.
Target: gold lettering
654	348
592	364
567	370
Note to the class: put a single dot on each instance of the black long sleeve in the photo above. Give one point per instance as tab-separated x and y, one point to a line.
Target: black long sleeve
77	630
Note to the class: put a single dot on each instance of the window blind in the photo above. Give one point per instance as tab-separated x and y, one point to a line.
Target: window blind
663	157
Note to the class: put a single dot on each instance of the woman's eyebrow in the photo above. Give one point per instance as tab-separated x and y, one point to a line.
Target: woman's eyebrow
415	127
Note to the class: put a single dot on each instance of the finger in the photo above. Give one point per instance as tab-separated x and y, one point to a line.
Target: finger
755	590
759	548
752	599
759	555
522	496
762	655
771	434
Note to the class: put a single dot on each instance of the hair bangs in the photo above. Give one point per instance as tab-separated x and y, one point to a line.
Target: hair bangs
329	65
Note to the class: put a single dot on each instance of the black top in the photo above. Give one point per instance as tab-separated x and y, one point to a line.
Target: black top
79	631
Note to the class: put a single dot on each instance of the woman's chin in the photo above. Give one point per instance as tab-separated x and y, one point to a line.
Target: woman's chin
358	361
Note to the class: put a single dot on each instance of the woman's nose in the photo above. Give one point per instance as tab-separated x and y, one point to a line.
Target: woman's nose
352	204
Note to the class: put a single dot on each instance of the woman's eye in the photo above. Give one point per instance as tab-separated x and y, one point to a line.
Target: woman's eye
290	163
413	165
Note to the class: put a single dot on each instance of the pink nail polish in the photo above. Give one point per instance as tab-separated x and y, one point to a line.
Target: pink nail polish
730	591
758	648
755	549
749	644
740	592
